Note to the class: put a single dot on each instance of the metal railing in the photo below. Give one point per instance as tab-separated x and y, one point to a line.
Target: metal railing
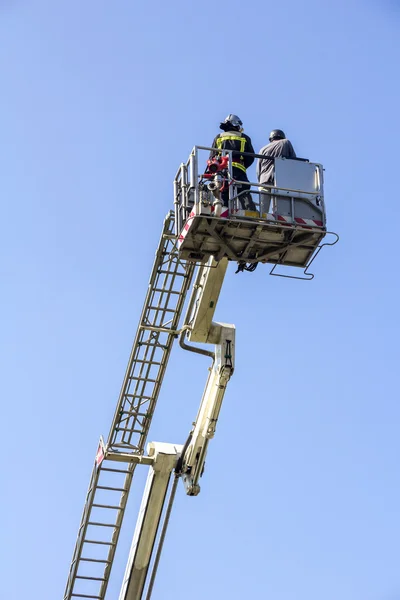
190	188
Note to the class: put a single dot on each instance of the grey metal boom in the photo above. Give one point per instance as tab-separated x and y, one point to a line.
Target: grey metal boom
111	481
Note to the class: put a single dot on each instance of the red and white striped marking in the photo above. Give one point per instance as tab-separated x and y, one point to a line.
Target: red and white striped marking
298	220
224	215
284	220
224	212
100	454
312	222
185	229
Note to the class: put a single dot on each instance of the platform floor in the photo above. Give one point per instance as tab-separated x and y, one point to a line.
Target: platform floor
249	239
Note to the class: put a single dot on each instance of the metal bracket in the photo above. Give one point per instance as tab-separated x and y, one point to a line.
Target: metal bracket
127	457
308	276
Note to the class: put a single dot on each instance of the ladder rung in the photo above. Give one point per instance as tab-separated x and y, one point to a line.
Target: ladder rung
104	487
90	578
124	445
153	343
96	560
86	596
106	506
127	430
95	524
133	413
110	470
165	291
146	379
166	272
101	543
148	362
129	420
124	432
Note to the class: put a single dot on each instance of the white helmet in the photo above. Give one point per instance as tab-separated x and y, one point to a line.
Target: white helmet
231	121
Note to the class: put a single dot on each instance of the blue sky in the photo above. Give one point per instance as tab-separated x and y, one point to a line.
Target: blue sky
99	105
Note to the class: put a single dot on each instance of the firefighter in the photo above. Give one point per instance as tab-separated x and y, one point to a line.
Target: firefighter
233	138
278	146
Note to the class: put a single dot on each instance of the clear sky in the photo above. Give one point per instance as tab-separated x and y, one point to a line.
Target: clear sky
100	101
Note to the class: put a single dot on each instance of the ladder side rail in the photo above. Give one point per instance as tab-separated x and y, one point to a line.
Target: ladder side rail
169	282
177	191
157	346
81	533
157	261
95	488
117	530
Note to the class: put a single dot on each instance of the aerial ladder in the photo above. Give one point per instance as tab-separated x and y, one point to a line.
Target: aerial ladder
199	238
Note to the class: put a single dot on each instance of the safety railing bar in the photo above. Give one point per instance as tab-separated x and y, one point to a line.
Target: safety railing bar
262	156
274	187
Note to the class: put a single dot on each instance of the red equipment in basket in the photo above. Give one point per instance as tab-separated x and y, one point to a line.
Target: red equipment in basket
216	165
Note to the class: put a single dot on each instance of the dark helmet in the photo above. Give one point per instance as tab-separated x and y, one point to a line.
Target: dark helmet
231	121
276	134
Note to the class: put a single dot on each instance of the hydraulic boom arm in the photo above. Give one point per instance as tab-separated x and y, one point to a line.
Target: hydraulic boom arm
203	329
206	421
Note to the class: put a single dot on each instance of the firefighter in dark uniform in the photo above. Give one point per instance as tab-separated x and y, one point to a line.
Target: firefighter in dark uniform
234	139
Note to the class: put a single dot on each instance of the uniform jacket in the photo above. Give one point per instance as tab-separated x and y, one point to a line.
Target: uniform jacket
237	141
